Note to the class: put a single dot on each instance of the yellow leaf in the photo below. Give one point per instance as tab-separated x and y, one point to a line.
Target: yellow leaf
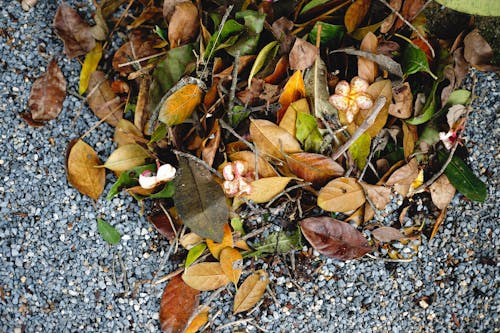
241	244
126	157
341	195
89	66
376	89
250	291
82	172
198	321
231	262
289	120
227	241
205	276
272	140
294	90
126	133
410	136
180	105
266	189
355	14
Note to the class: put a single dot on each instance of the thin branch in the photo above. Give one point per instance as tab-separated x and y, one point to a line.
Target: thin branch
233	132
234	82
141	59
197	160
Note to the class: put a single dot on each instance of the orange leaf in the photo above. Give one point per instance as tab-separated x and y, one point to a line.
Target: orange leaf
294	90
410	136
180	105
231	262
198	321
355	14
341	195
227	241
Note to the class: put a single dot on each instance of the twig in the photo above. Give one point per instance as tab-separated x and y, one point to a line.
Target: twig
291	188
197	160
389	260
141	59
411	27
379	104
122	16
233	132
169	276
233	323
103	119
256	232
234	82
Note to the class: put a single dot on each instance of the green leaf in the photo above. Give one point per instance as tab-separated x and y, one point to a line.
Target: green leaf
312	4
231	28
129	178
276	243
460	96
331	34
247	43
160	32
463	179
414	60
429	108
159	133
194	253
262	57
238	114
108	232
476	7
170	70
167	192
308	133
237	225
360	149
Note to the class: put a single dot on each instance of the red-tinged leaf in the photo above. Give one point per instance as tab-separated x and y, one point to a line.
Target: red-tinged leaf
102	100
314	168
163	224
142	44
334	238
387	234
47	94
178	303
74	31
303	55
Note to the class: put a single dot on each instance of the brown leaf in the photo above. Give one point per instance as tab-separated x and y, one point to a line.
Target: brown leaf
368	69
314	168
205	276
126	157
265	189
334	238
47	94
410	136
169	8
81	169
258	93
210	146
163	224
376	89
126	133
442	192
403	177
184	24
389	20
231	262
73	30
102	100
379	196
440	219
198	321
387	234
302	55
272	140
178	303
248	159
341	195
250	291
141	44
355	14
409	11
403	108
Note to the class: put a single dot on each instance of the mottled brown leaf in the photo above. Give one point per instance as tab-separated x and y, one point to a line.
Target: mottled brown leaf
73	30
442	192
379	196
387	234
314	168
184	24
141	44
302	55
47	94
102	100
334	238
178	303
403	177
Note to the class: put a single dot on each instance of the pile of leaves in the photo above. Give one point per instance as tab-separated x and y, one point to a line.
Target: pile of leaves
254	128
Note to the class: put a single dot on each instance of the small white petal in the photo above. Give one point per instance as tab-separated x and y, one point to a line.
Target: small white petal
227	172
358	85
239	168
340	102
147	182
165	173
342	88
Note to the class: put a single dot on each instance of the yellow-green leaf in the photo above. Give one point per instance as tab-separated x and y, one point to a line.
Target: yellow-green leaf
261	59
360	149
180	105
89	66
250	291
126	157
194	253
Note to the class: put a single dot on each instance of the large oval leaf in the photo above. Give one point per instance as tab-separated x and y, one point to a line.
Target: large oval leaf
81	169
314	168
341	195
205	276
334	238
250	291
126	157
272	140
180	105
476	7
266	189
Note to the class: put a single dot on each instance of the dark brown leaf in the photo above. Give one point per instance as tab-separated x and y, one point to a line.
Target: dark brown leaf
74	31
302	55
478	52
184	24
334	238
178	303
314	168
163	224
409	11
141	44
47	94
102	99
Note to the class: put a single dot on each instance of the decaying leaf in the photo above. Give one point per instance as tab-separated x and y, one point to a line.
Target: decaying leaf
178	303
205	276
387	234
334	238
403	177
200	201
81	169
73	30
126	133
227	241
314	168
478	52
126	157
102	100
250	291
272	140
378	195
47	94
231	262
442	192
180	105
355	14
265	189
141	44
368	69
403	108
303	55
410	137
341	195
184	24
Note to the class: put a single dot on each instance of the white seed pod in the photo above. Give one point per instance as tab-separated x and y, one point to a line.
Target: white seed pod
165	173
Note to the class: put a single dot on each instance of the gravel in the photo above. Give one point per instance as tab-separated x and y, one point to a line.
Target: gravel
57	274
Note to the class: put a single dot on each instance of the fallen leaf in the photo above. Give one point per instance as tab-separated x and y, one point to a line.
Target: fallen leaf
178	303
478	7
355	14
81	169
184	24
194	253
102	100
387	234
279	71
403	177
189	240
409	11
47	94
378	195
198	321
410	136
334	238
414	60
200	201
276	243
368	69
163	224
227	241
454	114
289	119
376	89
294	90
314	168
403	108
302	55
73	30
341	195
272	140
205	276
267	51
231	262
248	159
169	8
250	291
265	189
389	20
108	232
180	105
127	133
442	192
307	132
360	149
89	66
439	220
126	157
141	44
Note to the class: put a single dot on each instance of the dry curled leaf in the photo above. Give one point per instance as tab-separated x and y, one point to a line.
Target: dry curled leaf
184	24
403	108
178	303
81	162
47	94
231	262
250	291
102	100
205	276
303	55
403	177
73	30
368	69
387	234
126	157
355	14
442	192
334	238
272	140
341	195
198	321
265	189
314	168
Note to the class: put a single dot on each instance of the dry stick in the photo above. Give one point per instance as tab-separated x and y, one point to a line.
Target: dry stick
411	26
197	160
291	188
379	104
142	59
233	323
233	132
389	260
234	82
